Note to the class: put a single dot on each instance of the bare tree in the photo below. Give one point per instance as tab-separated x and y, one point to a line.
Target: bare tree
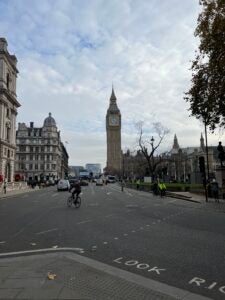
148	146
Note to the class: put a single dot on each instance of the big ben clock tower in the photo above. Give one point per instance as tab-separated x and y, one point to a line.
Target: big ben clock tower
113	132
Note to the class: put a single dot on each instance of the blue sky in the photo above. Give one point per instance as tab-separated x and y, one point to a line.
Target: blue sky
70	52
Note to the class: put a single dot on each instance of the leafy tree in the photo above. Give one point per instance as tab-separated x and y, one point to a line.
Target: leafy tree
207	93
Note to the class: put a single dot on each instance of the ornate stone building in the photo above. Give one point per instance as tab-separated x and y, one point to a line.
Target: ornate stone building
40	153
113	133
182	164
8	112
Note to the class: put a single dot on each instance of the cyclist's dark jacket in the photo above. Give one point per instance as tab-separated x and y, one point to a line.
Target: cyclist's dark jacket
75	188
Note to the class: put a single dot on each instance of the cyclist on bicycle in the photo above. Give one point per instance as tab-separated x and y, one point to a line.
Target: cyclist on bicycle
76	190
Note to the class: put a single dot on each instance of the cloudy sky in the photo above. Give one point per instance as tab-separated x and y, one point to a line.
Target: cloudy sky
71	51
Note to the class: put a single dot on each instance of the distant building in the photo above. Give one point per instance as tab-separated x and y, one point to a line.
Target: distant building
40	153
95	169
75	170
8	112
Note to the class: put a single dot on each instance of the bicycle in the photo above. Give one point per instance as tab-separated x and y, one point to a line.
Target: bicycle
76	201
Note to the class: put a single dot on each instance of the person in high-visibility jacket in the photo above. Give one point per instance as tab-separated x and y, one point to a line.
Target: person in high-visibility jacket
162	188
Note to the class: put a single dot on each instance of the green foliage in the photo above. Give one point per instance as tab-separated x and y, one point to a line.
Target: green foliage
207	93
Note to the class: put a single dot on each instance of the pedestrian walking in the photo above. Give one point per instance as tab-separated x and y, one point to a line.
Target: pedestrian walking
155	188
5	186
162	188
138	184
215	190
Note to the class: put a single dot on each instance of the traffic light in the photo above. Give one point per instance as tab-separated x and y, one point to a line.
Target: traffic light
202	164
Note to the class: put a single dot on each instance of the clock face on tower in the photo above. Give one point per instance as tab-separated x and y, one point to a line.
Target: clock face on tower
114	120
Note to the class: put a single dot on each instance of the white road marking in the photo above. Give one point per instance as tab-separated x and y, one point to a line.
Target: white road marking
54	195
109	216
125	234
105	243
115	238
25	196
46	231
133	231
92	190
84	222
2	242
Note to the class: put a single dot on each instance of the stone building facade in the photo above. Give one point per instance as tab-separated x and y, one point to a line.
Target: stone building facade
182	163
113	132
40	153
8	112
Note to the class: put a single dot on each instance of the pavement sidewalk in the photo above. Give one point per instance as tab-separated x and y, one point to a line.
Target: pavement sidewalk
17	192
64	274
211	204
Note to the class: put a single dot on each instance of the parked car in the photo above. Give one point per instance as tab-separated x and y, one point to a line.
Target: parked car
99	181
63	185
111	179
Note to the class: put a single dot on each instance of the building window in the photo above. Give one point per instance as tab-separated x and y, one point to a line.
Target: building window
22	148
47	166
36	166
31	156
37	149
31	149
7	133
7	81
42	149
53	166
30	166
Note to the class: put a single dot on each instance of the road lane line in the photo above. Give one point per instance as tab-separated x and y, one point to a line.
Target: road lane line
92	190
84	222
31	223
109	216
46	231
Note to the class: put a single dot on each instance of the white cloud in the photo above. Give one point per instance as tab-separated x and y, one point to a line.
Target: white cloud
69	53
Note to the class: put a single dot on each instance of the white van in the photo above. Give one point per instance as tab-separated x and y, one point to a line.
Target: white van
99	181
63	185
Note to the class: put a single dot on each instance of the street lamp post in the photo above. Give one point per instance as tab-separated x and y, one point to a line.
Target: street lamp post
122	180
152	144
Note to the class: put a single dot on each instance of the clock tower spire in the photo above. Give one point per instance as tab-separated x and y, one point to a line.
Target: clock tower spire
113	133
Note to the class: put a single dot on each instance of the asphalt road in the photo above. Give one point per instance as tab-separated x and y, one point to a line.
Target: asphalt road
169	240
